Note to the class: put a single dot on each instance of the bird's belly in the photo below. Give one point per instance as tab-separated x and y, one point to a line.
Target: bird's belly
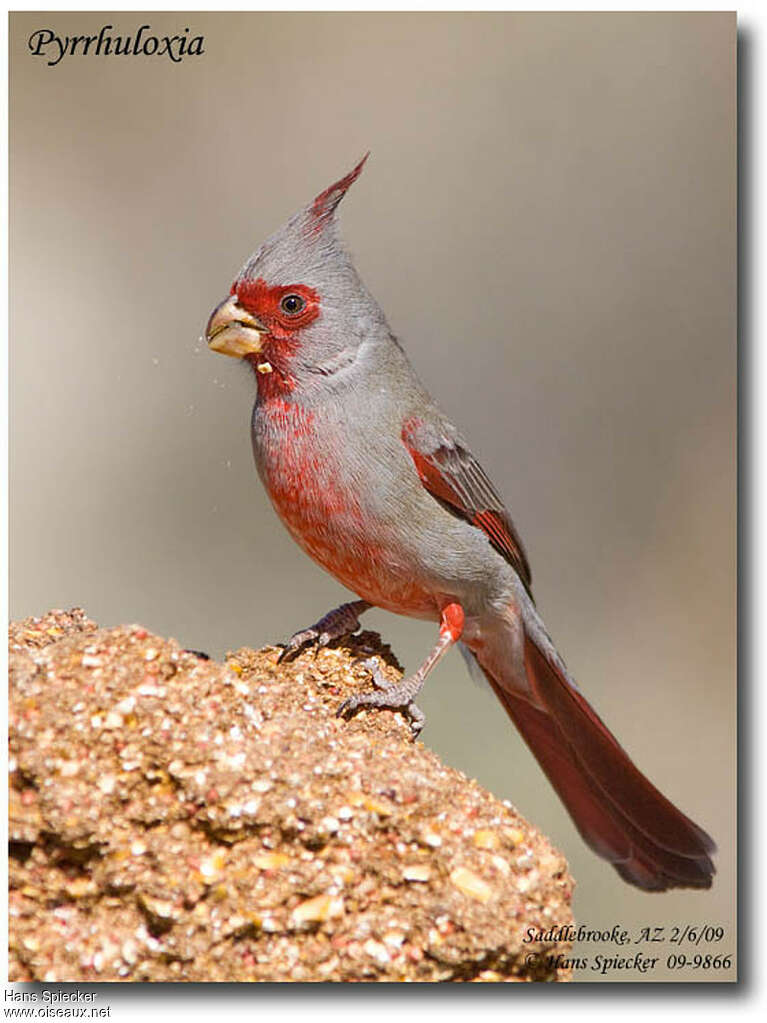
330	532
325	517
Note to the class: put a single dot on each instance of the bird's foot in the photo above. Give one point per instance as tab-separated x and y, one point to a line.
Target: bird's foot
393	696
336	624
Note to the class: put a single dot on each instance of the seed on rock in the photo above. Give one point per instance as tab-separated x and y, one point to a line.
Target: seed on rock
81	887
470	884
431	838
416	872
271	860
377	951
129	951
486	839
376	806
513	835
159	908
211	866
501	864
318	910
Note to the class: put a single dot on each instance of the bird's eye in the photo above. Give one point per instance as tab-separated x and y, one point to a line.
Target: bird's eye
292	304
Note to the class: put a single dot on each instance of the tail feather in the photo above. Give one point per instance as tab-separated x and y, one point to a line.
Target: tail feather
617	811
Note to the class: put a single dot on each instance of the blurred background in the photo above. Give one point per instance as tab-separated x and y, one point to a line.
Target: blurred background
548	219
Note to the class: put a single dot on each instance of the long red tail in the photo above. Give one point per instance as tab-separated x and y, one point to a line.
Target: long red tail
618	812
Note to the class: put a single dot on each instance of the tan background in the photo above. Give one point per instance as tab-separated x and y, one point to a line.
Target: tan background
548	218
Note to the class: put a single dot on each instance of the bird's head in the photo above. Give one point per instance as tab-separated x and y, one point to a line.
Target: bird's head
298	305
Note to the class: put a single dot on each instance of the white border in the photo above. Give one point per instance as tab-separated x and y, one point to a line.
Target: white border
502	1002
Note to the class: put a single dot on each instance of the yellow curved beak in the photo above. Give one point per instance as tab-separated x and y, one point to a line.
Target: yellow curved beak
234	331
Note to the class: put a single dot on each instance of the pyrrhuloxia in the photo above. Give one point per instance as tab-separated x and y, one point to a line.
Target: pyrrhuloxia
379	487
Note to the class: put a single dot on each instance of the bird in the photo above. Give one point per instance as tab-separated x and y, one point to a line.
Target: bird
378	486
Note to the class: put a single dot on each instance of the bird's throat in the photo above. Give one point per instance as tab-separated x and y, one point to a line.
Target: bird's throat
273	377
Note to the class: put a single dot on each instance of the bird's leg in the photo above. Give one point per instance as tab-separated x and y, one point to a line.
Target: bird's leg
341	621
401	695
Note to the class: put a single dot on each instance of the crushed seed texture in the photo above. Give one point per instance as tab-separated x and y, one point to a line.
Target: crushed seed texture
178	819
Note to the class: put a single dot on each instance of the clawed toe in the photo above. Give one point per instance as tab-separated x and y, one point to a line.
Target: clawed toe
346	708
335	624
298	641
398	696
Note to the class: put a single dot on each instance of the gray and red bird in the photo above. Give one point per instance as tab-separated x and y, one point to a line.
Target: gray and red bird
377	485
